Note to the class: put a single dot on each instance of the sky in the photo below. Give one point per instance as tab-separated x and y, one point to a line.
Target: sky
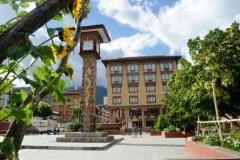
144	28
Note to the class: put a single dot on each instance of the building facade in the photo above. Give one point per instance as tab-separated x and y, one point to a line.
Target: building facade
64	111
136	88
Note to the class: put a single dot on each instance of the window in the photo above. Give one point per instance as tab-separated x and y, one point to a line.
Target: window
133	100
150	88
151	99
150	78
132	68
116	79
149	67
68	100
165	76
133	89
116	90
165	89
166	66
116	69
132	78
88	45
116	100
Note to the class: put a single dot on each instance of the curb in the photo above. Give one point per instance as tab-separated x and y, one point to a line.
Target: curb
73	148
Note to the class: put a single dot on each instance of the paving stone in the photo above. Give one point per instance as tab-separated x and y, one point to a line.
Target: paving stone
145	148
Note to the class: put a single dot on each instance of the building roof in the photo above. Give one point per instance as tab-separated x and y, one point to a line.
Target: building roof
124	59
100	28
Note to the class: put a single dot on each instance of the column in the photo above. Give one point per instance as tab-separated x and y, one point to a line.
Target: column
143	118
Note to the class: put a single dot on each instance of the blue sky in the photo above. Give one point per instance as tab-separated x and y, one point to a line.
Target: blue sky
145	27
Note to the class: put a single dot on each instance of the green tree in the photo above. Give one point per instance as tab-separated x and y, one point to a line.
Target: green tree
15	46
216	57
44	110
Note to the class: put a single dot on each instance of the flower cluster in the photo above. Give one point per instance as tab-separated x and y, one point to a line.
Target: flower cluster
68	35
77	6
58	53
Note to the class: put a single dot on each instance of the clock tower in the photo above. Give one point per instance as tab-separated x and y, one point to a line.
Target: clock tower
91	38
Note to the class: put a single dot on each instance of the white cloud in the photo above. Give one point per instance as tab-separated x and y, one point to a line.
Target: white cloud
176	24
129	46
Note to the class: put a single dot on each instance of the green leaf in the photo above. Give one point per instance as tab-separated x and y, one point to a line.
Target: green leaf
23	13
20	49
69	72
3	68
5	87
24	4
4	113
14	66
46	55
7	148
40	73
28	117
57	91
54	74
61	85
58	17
18	114
5	1
15	7
18	97
39	2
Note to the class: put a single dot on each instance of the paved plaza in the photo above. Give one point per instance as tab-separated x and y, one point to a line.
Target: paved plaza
145	148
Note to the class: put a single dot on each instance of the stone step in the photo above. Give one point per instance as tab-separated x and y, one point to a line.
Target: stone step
85	139
85	134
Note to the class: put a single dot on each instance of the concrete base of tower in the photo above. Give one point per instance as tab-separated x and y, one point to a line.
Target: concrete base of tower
78	137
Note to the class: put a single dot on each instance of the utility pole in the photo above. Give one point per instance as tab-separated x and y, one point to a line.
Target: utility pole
217	112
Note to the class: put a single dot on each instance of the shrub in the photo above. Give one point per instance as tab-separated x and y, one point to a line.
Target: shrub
212	140
235	133
75	126
99	127
199	138
170	128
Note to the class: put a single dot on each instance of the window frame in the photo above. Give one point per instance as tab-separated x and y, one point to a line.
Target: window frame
135	91
148	90
133	100
114	92
118	102
149	67
151	96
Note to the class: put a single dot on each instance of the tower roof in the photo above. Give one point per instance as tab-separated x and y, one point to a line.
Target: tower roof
100	28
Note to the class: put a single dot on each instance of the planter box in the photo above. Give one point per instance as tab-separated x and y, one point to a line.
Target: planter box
155	133
166	134
176	134
203	151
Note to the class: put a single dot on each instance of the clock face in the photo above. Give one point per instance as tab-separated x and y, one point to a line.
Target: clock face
88	45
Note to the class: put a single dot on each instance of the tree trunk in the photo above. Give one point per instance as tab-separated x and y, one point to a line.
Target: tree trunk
30	23
16	131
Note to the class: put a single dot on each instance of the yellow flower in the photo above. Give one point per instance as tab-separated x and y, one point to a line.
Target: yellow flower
54	51
68	35
77	6
63	53
68	65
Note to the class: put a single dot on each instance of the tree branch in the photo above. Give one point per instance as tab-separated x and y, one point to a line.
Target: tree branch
30	23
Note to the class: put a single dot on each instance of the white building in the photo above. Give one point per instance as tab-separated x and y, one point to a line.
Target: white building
4	98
